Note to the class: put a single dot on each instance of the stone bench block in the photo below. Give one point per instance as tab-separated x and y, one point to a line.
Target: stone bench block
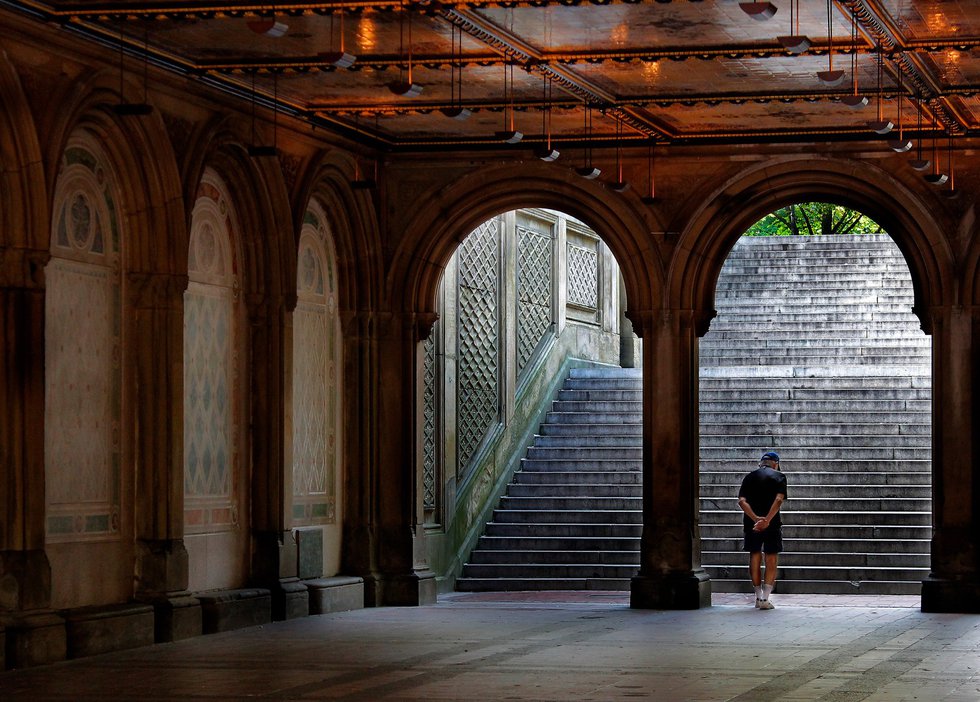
101	629
337	594
34	639
226	610
177	618
291	600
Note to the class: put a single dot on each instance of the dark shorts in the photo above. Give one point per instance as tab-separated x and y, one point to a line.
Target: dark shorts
769	541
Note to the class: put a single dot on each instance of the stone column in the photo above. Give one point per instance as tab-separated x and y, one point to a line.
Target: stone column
405	578
670	575
157	308
953	584
274	556
34	635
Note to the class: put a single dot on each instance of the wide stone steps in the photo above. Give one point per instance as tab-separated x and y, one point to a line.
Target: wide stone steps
855	437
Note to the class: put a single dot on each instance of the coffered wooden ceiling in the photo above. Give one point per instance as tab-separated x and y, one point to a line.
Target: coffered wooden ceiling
678	72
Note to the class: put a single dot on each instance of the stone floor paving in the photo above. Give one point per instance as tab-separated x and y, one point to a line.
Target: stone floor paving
566	647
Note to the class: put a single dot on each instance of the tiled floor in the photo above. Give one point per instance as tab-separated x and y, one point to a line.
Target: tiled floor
551	646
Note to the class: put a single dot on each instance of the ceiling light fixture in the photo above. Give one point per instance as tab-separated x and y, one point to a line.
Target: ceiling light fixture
919	163
132	109
402	87
339	58
456	110
902	143
546	153
760	11
952	191
935	178
830	77
508	134
619	185
651	195
854	100
794	42
268	26
882	125
257	150
587	170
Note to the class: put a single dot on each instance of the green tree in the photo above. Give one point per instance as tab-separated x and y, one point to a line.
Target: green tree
814	219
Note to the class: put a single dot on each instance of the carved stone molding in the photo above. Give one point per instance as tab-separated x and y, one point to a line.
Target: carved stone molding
645	321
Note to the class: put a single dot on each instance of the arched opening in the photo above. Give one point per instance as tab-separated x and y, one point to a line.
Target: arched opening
530	298
816	354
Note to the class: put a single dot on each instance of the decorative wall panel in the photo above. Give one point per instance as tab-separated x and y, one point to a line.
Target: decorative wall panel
534	291
316	338
478	339
583	275
429	421
83	335
212	464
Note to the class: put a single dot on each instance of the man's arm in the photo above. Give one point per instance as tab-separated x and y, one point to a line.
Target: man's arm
744	504
762	523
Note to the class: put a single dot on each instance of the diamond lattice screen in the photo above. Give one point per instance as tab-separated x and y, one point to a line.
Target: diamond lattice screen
82	356
429	456
478	340
315	387
211	465
534	296
583	276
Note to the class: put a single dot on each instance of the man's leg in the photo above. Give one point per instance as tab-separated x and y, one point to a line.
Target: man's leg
772	560
755	572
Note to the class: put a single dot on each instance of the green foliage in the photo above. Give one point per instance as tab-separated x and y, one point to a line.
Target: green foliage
814	219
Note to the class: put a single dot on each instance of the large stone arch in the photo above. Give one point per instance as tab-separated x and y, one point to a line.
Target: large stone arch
744	199
446	216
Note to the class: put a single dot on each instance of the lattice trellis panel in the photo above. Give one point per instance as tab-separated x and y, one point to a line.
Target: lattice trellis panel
583	276
429	421
315	387
83	393
478	342
534	291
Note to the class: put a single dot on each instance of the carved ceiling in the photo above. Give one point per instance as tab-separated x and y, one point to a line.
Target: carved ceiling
677	72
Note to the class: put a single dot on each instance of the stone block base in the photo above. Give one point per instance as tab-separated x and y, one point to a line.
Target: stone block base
290	600
34	639
177	617
101	629
337	594
3	647
688	591
418	588
952	596
226	610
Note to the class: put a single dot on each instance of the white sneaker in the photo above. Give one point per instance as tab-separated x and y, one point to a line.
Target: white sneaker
758	603
766	604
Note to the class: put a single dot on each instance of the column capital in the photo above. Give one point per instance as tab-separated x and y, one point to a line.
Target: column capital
155	290
676	320
23	268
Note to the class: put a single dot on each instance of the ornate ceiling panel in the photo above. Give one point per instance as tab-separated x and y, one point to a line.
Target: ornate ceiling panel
677	71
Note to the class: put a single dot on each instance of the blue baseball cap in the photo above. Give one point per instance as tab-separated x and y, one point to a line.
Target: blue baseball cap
771	454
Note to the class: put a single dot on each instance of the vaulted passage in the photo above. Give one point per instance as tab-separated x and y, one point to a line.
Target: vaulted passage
816	354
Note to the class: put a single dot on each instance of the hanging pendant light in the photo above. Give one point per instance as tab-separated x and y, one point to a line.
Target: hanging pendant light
760	11
794	42
587	170
830	78
268	26
651	195
936	177
619	185
854	100
952	192
456	110
133	109
546	153
400	87
919	163
882	125
902	143
508	134
260	150
339	58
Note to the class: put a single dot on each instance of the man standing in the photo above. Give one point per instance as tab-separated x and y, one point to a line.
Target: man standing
761	495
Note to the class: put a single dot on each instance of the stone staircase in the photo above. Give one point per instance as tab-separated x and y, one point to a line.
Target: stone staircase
571	517
814	353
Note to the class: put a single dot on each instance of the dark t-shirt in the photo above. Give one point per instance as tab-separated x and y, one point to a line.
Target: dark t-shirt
760	488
